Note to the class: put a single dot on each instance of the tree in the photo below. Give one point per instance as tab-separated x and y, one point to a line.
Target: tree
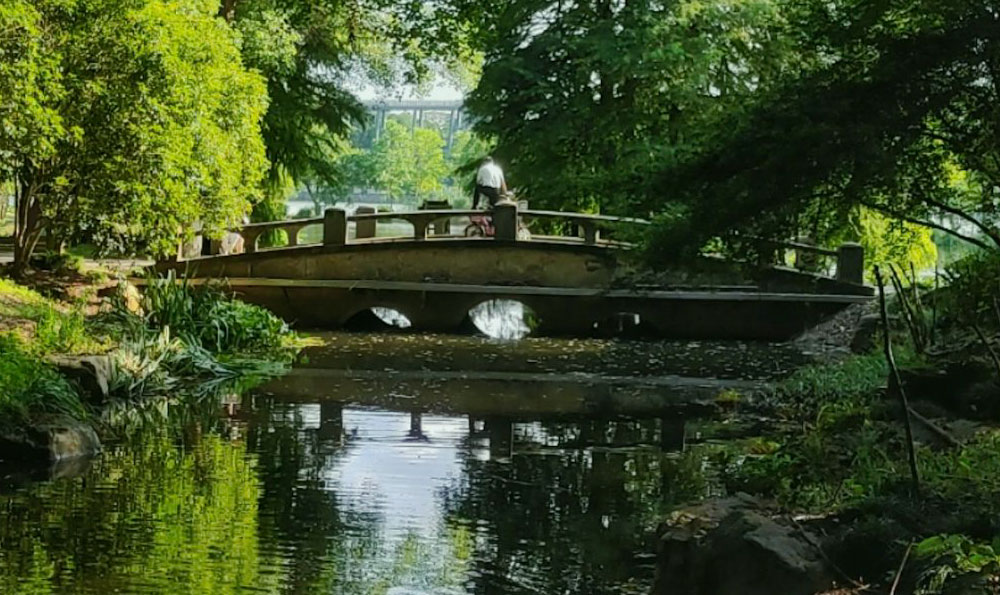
408	163
313	52
151	124
29	84
898	115
428	163
467	153
300	47
587	99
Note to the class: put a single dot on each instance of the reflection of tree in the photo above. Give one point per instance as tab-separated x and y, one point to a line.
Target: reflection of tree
151	514
570	522
179	509
300	515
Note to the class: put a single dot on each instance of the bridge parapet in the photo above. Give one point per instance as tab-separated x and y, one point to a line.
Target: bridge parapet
509	221
507	218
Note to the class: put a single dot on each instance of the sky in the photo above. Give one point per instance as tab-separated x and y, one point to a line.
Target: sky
439	91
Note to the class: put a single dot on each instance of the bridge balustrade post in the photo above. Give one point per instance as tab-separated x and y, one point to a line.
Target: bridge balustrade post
174	255
250	240
334	227
364	228
505	221
590	233
851	263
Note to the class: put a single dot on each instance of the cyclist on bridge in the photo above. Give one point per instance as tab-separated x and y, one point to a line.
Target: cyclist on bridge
489	183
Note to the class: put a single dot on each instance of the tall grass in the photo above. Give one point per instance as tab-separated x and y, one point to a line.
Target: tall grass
192	338
205	316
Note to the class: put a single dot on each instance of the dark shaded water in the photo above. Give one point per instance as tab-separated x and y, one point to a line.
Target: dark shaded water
537	467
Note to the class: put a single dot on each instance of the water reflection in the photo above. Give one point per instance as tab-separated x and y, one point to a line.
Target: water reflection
391	317
333	499
503	319
347	484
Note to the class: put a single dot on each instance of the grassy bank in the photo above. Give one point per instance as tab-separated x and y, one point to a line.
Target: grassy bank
171	339
841	453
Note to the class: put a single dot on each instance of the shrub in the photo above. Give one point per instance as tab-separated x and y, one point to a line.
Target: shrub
973	285
58	329
58	262
205	316
59	332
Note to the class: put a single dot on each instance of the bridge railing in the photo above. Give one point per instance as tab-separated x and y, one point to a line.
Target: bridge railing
431	224
847	260
507	219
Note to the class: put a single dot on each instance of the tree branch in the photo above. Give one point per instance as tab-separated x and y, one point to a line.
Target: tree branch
903	217
986	229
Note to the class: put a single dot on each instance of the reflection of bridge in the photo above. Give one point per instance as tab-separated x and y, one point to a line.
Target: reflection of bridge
435	277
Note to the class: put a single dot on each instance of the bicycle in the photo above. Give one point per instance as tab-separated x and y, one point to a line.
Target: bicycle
481	226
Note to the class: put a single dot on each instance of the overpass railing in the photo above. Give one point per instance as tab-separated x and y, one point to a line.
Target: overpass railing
508	220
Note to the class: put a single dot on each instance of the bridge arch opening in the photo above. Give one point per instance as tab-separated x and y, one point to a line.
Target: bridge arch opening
378	318
504	319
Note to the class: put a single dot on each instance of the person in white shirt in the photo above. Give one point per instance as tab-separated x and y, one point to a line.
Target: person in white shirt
489	183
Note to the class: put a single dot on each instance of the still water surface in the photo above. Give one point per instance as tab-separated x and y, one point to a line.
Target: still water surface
389	464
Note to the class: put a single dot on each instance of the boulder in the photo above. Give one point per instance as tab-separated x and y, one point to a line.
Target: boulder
866	333
53	442
91	373
733	546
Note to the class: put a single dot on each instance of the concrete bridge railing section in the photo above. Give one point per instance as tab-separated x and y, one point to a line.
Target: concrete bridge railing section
507	220
510	224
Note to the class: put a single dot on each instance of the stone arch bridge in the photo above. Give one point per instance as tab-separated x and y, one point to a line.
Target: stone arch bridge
436	275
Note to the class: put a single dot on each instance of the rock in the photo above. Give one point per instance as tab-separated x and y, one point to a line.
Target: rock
71	441
865	333
130	294
966	388
52	442
91	373
732	546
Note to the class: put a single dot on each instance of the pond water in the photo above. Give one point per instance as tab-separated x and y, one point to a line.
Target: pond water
390	464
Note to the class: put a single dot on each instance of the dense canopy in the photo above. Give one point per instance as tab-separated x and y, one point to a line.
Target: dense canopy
126	122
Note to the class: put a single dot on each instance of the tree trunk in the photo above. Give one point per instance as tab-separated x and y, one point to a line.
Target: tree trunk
227	10
28	225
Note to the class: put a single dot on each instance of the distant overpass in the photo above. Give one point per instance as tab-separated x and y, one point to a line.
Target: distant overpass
419	108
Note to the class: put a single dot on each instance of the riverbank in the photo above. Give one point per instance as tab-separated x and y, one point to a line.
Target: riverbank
100	346
825	495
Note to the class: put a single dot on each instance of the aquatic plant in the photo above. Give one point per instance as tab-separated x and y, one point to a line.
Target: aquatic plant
176	335
202	315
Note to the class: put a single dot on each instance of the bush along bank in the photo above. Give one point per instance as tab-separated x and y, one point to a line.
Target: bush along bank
826	495
62	371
